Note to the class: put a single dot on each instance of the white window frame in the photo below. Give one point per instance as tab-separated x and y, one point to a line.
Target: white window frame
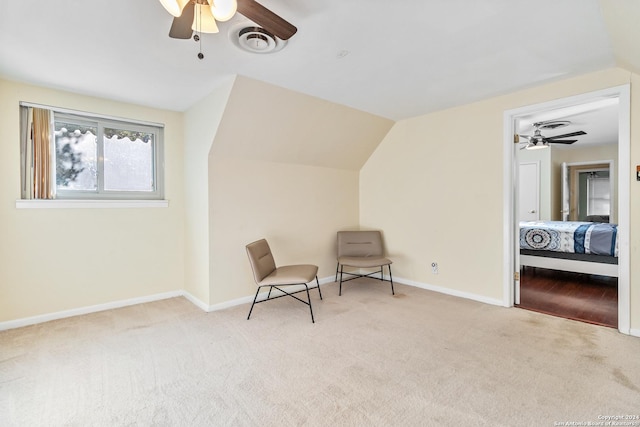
107	121
594	195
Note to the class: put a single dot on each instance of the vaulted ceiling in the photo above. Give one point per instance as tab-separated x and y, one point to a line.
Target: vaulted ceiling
393	59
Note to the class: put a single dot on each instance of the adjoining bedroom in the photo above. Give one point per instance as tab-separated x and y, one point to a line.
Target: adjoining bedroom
568	211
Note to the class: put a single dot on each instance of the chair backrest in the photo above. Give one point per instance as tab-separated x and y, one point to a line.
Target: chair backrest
360	243
261	259
597	218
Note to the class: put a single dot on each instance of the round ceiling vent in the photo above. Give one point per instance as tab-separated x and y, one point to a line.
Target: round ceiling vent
256	40
554	124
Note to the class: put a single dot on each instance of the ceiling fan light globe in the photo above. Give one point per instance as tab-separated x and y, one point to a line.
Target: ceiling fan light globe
223	10
174	7
532	146
203	20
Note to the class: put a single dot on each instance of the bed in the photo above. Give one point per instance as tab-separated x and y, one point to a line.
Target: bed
583	247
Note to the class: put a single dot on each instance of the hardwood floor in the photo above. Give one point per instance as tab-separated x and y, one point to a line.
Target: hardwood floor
577	296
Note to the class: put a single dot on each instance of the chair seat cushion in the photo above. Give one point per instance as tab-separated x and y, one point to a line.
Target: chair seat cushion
364	262
291	274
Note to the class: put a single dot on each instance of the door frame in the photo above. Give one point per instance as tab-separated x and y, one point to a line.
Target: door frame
511	284
573	169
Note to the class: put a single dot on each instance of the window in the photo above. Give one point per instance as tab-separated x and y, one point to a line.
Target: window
90	157
598	195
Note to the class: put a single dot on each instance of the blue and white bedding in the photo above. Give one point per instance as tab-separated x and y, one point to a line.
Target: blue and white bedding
569	236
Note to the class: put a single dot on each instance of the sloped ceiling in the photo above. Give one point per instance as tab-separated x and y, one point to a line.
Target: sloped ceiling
391	59
622	18
268	123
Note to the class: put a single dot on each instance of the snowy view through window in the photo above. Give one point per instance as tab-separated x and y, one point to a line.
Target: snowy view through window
76	157
128	158
128	164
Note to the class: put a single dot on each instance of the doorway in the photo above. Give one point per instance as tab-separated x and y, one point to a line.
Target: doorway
588	191
512	250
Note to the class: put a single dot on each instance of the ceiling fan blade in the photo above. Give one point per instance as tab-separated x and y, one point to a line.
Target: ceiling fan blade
561	141
266	19
181	26
567	135
527	137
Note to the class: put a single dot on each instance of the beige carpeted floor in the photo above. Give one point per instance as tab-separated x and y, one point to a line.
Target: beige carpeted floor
416	359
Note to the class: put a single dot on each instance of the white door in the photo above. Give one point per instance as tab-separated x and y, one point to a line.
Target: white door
529	191
565	192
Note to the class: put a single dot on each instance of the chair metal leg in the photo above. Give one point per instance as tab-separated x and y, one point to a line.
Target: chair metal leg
371	275
337	266
309	299
254	302
284	294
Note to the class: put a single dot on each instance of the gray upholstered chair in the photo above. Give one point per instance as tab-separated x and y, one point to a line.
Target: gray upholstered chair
266	274
361	250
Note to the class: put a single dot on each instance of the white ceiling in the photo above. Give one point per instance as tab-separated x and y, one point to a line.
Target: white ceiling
597	117
405	58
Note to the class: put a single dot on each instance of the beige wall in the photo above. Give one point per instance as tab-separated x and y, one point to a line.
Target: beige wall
297	208
435	190
442	189
283	166
295	156
201	124
290	168
59	259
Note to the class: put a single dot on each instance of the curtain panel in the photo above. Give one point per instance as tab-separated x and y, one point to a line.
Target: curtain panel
38	172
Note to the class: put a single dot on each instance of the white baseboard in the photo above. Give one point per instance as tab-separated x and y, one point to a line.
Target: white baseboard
249	299
195	301
18	323
232	303
447	291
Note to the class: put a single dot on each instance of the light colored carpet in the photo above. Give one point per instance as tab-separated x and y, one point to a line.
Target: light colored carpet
419	358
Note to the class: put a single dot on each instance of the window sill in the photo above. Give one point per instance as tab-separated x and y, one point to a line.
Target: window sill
89	204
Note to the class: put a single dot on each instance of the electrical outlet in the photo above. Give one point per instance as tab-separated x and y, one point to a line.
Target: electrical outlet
434	267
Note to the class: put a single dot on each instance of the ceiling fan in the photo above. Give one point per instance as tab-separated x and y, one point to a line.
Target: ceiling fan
537	140
201	16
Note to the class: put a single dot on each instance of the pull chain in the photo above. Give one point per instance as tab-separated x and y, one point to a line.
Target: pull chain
196	36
